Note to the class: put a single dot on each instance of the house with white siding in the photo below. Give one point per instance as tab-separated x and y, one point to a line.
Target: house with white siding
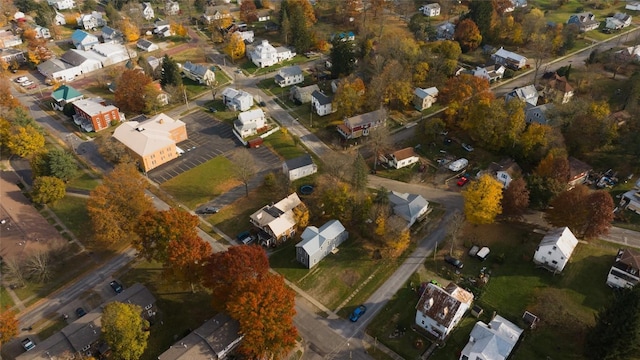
317	243
439	310
555	249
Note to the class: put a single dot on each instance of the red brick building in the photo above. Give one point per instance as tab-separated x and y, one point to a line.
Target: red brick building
95	114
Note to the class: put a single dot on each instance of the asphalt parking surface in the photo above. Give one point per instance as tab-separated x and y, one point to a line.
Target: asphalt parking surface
208	138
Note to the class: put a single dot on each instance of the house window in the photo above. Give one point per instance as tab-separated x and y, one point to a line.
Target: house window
554	262
549	252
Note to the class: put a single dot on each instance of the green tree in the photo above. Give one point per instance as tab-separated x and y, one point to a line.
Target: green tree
61	164
89	5
433	127
482	200
343	57
483	15
115	205
25	141
360	173
300	29
156	229
285	27
124	330
170	72
47	190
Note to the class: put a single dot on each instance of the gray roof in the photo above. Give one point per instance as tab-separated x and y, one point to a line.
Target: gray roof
313	238
407	205
538	113
109	31
53	65
321	97
143	43
301	161
290	71
423	93
74	57
196	69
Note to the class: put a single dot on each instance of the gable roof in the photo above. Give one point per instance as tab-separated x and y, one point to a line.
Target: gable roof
370	117
493	341
148	136
406	205
404	153
79	36
75	57
66	93
144	43
630	257
290	71
441	304
246	116
528	94
577	168
509	55
313	238
197	69
106	30
562	238
321	97
279	216
423	93
299	162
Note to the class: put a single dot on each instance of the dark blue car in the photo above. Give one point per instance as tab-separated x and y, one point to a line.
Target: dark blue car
357	313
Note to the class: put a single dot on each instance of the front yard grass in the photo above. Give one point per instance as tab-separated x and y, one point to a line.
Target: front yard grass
283	144
5	300
203	182
84	181
72	211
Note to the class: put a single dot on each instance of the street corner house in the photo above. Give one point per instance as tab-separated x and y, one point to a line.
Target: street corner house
360	125
317	243
299	167
276	222
440	310
152	142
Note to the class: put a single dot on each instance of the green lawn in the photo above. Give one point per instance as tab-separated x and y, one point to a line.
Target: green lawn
72	211
84	181
5	299
203	182
284	145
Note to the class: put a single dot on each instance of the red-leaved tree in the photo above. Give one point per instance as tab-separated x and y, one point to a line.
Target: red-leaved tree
186	257
515	199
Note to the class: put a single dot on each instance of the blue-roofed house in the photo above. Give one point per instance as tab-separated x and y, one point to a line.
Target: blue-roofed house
344	36
299	167
318	243
82	40
63	95
424	98
411	207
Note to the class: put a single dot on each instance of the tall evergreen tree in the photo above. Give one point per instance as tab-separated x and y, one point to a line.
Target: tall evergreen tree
360	170
285	27
343	57
170	72
301	33
482	13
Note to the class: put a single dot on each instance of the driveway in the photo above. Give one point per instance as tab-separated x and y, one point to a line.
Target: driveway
208	138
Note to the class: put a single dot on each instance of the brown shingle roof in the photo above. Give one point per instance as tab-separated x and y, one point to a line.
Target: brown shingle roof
404	153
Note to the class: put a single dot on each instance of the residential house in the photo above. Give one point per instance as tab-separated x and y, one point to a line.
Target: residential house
216	13
634	5
215	339
505	171
289	75
402	158
62	4
250	123
537	114
631	53
110	54
59	19
410	207
246	36
199	73
516	4
424	98
95	115
265	54
492	73
58	70
528	94
509	59
82	40
555	249
155	64
493	341
360	125
299	167
630	200
9	39
237	100
585	21
111	35
302	95
42	32
578	172
276	222
316	243
431	9
445	31
83	60
83	335
64	95
152	142
171	7
439	310
146	45
625	271
162	28
91	21
11	55
147	11
264	15
321	103
617	21
558	89
344	36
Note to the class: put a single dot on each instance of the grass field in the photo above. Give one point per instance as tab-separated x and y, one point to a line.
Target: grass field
284	145
203	182
84	181
72	211
5	300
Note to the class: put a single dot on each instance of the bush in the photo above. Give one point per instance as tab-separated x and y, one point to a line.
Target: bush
508	74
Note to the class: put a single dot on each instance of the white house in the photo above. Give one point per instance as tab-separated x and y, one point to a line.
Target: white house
630	200
265	54
83	60
625	271
59	19
171	7
162	28
299	167
555	249
111	35
410	207
82	40
237	100
91	21
529	94
289	75
424	98
276	221
440	310
494	341
199	73
491	73
505	171
110	54
147	11
321	103
431	9
585	21
42	32
635	6
146	45
402	158
618	21
264	15
58	70
318	243
302	94
509	59
62	4
249	122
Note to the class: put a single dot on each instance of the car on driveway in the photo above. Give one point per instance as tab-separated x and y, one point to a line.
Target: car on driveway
32	86
28	344
208	210
26	83
453	261
262	103
467	147
357	313
463	180
80	312
116	286
21	79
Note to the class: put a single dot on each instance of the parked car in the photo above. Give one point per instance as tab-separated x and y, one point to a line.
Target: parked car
208	210
357	313
212	109
116	286
245	238
467	147
80	312
26	83
21	79
262	103
453	261
32	86
28	344
463	180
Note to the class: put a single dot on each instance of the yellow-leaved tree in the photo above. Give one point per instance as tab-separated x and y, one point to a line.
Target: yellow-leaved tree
129	30
124	330
482	200
235	47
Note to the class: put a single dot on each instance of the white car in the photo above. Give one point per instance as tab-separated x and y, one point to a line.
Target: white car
21	79
26	83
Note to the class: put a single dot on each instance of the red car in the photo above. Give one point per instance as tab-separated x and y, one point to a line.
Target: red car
31	87
463	180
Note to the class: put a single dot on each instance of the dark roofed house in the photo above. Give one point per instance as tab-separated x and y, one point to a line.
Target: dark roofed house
440	310
402	158
299	167
9	55
321	103
146	45
111	35
200	73
625	271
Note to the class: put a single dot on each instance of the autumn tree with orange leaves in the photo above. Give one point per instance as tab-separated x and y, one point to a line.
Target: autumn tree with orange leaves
468	35
458	91
248	11
156	229
186	258
8	325
130	91
242	285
